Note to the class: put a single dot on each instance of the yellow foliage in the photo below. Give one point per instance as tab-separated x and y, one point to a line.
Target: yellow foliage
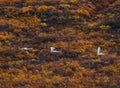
74	1
30	1
26	9
45	8
31	21
43	24
73	64
4	75
63	1
5	36
106	79
29	54
104	27
3	21
110	69
62	44
57	79
16	23
65	5
35	77
90	25
20	77
4	1
83	12
24	68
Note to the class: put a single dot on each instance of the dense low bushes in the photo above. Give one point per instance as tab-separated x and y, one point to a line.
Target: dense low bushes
74	27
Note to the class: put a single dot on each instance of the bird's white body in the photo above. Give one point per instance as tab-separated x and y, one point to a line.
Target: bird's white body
52	50
25	48
99	51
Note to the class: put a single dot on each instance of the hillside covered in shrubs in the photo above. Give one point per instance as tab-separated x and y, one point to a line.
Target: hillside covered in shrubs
74	27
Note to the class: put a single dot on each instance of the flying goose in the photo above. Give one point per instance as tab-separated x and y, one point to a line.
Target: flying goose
52	50
99	52
25	48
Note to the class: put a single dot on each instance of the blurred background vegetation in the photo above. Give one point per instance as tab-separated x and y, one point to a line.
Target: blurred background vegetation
76	27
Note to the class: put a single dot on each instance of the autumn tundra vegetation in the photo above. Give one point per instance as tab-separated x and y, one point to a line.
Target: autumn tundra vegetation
76	28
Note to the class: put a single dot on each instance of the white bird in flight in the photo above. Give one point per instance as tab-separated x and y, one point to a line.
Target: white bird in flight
25	48
99	51
52	50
